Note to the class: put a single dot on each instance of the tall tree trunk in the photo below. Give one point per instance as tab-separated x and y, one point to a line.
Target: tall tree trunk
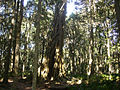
25	51
7	58
36	58
117	10
55	54
107	25
91	47
43	47
17	37
15	32
61	40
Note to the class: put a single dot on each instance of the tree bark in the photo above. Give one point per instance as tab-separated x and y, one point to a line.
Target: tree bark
91	47
7	58
54	53
36	58
15	32
17	37
117	10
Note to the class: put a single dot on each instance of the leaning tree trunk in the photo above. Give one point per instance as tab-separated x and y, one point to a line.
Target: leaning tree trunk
54	49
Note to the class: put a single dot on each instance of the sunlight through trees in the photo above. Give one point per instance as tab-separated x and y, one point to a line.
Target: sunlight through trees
60	44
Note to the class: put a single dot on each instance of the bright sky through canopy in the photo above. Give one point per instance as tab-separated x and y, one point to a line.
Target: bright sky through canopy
70	7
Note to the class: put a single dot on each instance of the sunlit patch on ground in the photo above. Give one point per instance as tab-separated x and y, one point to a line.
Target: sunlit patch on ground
74	81
28	88
1	80
10	80
57	83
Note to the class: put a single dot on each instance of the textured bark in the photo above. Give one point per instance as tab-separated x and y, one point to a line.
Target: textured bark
91	47
117	10
43	47
15	33
54	50
7	58
36	58
17	37
25	52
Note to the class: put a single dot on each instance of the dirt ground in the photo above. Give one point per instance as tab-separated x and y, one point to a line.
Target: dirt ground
20	84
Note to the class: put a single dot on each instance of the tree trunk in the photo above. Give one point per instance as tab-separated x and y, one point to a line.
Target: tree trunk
7	58
117	10
91	47
25	51
54	51
43	47
36	58
17	33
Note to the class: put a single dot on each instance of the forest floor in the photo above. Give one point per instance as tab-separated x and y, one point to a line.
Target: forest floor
22	84
74	83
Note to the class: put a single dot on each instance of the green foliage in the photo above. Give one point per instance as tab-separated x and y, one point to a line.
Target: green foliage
100	82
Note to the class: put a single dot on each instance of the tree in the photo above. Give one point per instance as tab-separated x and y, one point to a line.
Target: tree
36	58
54	49
17	34
8	56
117	7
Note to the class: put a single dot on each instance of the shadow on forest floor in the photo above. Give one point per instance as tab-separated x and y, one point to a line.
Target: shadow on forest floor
101	82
